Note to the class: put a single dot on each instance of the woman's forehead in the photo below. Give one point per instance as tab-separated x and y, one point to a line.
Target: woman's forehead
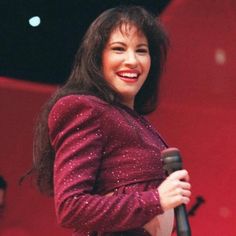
127	28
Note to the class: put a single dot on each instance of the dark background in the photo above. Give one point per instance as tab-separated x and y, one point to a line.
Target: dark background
45	53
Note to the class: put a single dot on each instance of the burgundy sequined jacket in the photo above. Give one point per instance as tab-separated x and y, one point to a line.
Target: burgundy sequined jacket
99	149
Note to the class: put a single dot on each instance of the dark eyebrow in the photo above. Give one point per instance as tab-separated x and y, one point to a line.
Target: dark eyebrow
143	44
117	42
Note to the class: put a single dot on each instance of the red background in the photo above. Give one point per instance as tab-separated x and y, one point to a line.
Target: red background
197	114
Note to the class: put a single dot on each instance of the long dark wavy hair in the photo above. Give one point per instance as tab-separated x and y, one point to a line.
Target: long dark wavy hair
87	78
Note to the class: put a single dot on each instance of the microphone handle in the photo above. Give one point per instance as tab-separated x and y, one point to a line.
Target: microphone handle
182	223
173	162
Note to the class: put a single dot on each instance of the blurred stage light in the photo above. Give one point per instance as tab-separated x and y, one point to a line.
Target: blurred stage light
35	21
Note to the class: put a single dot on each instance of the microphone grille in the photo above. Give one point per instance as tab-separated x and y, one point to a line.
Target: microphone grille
172	157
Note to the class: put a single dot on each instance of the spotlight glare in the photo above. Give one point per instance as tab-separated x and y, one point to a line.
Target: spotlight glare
35	21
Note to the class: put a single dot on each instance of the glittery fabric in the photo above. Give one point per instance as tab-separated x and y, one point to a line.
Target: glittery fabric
103	149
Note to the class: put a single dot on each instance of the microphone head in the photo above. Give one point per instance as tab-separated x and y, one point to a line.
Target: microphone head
172	159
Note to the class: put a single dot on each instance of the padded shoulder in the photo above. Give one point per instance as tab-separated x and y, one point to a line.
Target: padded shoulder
74	110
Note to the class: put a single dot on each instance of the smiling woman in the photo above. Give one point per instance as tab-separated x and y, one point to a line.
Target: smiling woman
126	62
93	150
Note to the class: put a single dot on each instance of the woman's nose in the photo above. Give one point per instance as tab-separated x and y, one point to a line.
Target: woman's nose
131	59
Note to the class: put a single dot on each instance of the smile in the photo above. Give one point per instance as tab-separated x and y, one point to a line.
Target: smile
128	75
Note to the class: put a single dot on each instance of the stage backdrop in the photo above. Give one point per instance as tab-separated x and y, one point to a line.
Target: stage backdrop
197	114
197	111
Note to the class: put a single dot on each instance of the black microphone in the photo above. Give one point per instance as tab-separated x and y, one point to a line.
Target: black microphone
172	162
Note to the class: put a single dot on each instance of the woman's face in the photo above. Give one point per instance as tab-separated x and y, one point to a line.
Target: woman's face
126	62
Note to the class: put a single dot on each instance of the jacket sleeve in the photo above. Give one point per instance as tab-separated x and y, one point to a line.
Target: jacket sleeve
77	137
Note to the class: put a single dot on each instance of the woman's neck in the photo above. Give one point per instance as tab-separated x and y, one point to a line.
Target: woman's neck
128	103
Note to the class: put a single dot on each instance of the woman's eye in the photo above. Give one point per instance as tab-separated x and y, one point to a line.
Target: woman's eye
142	50
118	49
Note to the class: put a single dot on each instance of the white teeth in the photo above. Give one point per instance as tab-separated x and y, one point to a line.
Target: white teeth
130	75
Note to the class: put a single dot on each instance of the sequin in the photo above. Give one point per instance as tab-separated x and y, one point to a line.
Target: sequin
103	149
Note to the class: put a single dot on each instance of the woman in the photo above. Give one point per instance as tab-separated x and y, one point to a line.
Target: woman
93	149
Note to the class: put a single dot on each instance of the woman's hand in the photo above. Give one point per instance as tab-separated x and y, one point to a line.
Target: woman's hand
175	190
